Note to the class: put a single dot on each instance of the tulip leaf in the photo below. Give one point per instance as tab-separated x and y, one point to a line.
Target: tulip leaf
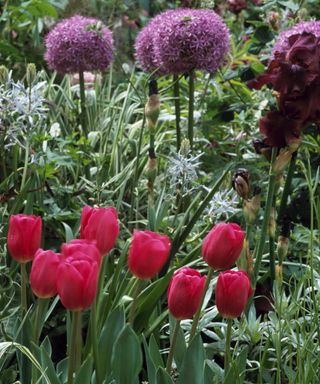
163	377
85	372
154	352
126	357
180	349
236	372
213	373
62	370
110	332
151	369
153	358
193	364
148	300
68	232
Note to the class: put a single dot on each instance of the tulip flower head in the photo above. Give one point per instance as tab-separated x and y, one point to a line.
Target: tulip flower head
233	290
222	246
185	292
43	277
100	225
24	237
148	253
77	276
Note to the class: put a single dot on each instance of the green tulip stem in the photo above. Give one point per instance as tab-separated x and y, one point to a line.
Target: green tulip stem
197	315
136	291
265	223
74	358
191	109
83	104
227	357
94	340
24	279
176	92
172	345
41	305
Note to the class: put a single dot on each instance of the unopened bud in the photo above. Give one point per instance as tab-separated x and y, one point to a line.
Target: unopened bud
282	247
31	73
151	170
262	148
281	161
4	74
185	147
251	208
241	184
272	223
274	20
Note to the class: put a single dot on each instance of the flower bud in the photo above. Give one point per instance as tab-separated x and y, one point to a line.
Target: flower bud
272	223
251	208
31	73
24	237
278	274
241	184
100	225
4	74
281	161
282	247
222	246
43	276
233	290
185	292
148	253
82	248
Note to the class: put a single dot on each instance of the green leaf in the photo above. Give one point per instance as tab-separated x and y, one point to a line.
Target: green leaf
85	372
236	372
151	369
213	373
68	232
192	371
126	370
109	334
180	349
163	377
47	363
155	352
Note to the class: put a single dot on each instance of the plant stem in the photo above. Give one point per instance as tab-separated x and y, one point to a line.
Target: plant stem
24	279
227	357
287	186
172	346
135	295
197	315
94	340
264	229
74	358
191	109
83	104
41	304
25	166
176	91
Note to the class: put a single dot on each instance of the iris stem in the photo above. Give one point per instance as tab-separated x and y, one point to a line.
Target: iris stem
197	315
287	186
266	218
74	358
227	357
172	345
134	303
191	109
176	92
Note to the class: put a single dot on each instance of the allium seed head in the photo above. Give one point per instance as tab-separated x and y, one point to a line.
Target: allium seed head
179	41
79	44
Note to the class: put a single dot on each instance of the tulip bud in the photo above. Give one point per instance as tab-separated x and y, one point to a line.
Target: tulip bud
100	225
77	275
24	237
43	276
222	246
185	292
31	73
148	253
4	74
233	290
251	208
241	184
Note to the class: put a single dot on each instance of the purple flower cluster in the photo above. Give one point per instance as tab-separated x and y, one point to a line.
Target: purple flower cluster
79	44
179	41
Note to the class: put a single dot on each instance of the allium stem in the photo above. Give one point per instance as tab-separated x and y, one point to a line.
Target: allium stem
227	357
83	104
191	109
176	91
172	345
267	211
197	315
74	358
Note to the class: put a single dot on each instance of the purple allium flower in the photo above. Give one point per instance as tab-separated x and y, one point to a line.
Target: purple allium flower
178	41
283	44
79	44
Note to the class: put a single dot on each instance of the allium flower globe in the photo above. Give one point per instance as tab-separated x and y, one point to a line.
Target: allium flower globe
79	44
179	41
